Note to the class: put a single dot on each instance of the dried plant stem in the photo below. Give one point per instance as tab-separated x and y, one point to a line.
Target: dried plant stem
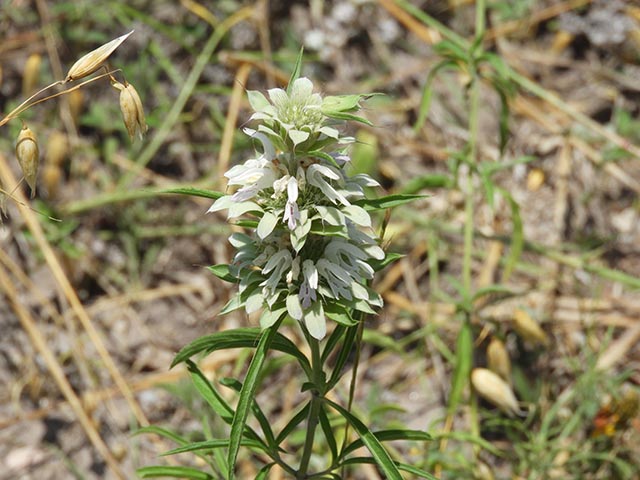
58	375
226	145
54	264
28	103
190	82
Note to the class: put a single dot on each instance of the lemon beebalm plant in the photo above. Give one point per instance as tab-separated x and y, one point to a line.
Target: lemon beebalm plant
306	257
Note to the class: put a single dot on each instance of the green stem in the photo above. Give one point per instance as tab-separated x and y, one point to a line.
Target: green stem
316	404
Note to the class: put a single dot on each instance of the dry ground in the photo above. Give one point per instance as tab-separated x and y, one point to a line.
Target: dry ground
102	281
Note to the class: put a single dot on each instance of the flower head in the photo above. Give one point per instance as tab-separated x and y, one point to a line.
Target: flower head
312	246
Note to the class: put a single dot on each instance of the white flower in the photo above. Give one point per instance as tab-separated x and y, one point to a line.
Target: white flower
309	285
350	258
316	175
336	277
297	112
277	264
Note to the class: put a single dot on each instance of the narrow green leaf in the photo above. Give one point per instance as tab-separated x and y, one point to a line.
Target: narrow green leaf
389	435
264	471
223	272
401	466
175	472
163	432
464	354
327	429
390	201
382	458
344	103
297	419
436	180
345	351
194	192
295	74
209	393
389	258
425	101
517	237
247	394
213	444
239	338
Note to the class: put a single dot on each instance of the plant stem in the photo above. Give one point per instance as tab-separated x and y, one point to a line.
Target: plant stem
318	381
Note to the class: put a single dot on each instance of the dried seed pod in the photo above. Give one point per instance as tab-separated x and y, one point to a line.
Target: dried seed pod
92	61
498	359
3	199
495	390
51	177
57	149
132	111
528	328
76	102
31	74
28	153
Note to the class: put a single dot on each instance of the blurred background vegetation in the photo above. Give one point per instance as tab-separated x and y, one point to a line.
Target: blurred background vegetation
103	278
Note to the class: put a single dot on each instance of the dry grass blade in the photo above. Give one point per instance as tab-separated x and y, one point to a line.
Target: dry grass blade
57	372
232	119
52	261
93	60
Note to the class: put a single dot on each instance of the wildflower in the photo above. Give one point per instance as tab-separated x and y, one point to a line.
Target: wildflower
28	153
311	246
132	111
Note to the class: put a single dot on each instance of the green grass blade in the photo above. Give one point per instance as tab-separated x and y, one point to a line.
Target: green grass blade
239	338
297	419
247	394
297	69
325	424
209	393
401	466
388	435
194	192
175	472
464	353
382	458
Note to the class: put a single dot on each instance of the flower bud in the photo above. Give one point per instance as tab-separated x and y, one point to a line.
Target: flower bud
528	329
92	61
27	153
498	359
31	74
495	390
132	111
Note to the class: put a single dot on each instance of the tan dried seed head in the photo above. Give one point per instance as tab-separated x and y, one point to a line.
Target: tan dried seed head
528	329
76	102
31	73
92	61
51	178
28	153
132	110
57	148
495	390
498	359
3	199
